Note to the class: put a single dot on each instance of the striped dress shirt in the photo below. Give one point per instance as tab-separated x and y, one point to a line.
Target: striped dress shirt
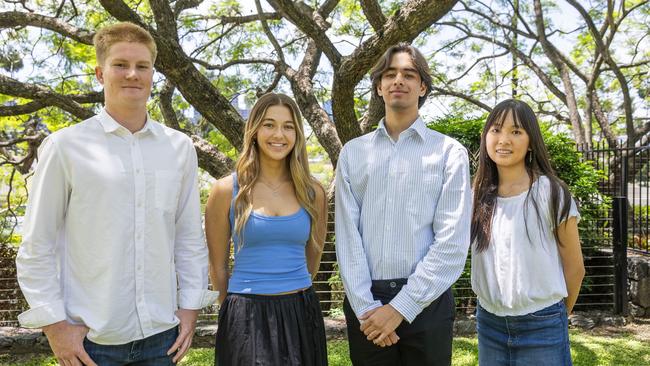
403	210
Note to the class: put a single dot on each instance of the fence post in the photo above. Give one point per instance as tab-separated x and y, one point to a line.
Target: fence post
620	243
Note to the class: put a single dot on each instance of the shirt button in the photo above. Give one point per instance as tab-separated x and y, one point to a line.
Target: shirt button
392	284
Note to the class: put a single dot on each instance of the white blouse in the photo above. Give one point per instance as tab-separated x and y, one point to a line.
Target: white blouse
520	273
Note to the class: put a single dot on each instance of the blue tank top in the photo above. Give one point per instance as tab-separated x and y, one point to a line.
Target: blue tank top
272	258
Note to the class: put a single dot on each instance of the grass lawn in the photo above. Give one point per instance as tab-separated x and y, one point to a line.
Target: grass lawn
586	350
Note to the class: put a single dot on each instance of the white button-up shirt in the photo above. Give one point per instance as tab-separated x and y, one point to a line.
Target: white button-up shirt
112	234
403	210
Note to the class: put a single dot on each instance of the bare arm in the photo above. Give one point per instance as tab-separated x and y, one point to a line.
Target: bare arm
572	262
314	250
217	230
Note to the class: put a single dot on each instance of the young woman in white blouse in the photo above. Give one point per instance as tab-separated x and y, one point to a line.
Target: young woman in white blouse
527	264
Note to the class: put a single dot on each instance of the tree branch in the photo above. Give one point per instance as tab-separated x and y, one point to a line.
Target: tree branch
549	50
182	5
13	87
303	90
373	13
121	11
527	59
604	51
209	157
441	91
303	18
269	34
13	19
165	19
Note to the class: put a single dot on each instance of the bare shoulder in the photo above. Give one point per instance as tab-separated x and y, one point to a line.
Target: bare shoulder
221	193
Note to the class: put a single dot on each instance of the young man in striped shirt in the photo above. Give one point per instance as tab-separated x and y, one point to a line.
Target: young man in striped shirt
403	208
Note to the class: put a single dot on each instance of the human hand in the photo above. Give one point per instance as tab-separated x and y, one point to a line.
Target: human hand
67	343
388	341
185	333
380	323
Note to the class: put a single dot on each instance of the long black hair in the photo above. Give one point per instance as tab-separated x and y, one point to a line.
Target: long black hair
537	162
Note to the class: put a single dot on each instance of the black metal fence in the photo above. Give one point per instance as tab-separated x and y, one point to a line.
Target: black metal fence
625	226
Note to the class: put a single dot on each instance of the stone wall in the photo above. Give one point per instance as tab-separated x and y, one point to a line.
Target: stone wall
638	268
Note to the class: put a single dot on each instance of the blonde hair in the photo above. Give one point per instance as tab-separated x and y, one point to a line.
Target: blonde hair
122	32
248	165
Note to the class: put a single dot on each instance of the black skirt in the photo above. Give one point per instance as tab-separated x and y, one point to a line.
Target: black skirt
281	330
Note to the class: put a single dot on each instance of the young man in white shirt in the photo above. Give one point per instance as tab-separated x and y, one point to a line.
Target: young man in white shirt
113	262
403	209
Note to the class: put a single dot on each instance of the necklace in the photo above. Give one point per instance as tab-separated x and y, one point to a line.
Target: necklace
274	190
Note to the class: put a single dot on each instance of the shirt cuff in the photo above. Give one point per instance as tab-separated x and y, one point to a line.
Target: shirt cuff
374	305
196	299
406	306
43	315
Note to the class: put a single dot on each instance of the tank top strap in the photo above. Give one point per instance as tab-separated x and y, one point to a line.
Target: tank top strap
235	185
235	190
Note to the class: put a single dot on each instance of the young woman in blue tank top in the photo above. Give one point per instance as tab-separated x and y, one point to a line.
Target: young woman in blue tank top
274	214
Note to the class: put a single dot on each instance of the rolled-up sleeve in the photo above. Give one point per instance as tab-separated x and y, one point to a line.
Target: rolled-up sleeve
190	250
350	253
445	259
38	255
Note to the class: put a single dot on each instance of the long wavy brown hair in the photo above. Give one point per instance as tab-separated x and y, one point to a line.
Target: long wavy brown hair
486	180
248	164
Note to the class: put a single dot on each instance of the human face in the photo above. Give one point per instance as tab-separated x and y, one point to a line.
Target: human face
276	135
401	85
508	144
127	75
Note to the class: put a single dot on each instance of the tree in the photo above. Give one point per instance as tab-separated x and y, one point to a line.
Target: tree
598	78
173	27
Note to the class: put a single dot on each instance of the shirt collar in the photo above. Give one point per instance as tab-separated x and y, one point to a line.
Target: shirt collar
110	125
418	128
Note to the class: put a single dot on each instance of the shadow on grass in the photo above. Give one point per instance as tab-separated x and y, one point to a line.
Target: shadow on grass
587	350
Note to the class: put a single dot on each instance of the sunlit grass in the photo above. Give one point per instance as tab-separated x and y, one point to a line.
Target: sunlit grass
586	350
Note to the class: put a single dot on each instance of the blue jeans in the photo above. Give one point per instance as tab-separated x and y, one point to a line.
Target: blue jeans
150	351
539	338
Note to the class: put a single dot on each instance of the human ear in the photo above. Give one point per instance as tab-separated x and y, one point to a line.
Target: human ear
99	74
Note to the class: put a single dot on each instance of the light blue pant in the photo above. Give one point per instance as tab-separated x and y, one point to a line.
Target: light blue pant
539	338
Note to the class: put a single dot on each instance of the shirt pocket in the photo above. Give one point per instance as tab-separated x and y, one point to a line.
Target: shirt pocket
424	189
167	186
